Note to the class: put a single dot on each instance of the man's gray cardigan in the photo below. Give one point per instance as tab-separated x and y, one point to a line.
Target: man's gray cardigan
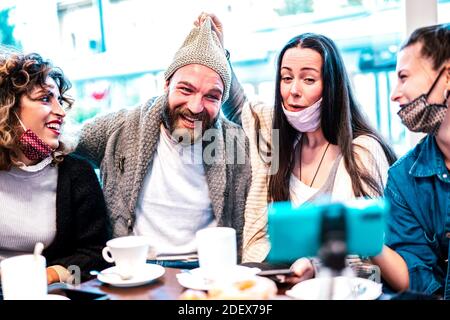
123	144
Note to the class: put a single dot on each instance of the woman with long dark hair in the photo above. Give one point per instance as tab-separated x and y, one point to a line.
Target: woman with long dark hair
327	148
311	74
314	143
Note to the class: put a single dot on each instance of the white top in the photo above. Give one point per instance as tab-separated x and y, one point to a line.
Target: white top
299	191
174	200
27	208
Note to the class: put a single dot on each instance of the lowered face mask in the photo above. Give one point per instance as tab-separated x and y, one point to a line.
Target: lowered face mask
306	120
421	116
33	147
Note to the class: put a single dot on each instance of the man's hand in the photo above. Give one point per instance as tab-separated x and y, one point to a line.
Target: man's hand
216	24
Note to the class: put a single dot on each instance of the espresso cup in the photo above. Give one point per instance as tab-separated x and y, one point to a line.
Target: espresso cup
129	254
24	277
217	252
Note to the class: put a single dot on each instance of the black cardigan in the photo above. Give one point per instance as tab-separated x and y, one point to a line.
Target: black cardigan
82	224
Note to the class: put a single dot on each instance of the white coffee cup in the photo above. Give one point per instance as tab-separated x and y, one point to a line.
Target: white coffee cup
128	253
24	277
217	252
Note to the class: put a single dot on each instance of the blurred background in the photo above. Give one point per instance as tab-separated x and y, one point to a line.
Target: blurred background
115	51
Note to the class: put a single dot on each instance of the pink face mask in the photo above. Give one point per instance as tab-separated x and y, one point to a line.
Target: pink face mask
32	146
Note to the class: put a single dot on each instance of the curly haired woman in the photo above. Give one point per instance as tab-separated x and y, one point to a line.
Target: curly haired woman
46	195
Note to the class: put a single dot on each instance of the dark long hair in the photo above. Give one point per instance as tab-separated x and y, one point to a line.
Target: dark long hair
341	120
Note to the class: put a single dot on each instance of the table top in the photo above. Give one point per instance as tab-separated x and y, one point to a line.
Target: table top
164	288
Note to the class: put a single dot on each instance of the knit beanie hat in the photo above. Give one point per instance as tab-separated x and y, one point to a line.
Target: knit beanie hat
202	46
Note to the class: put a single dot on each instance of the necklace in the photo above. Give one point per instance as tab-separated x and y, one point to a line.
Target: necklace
318	167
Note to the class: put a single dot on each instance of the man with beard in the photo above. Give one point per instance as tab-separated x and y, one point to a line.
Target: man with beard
418	185
166	167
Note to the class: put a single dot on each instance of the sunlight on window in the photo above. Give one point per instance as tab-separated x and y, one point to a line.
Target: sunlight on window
443	11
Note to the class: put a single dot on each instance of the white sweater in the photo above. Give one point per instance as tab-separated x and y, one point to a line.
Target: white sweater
256	244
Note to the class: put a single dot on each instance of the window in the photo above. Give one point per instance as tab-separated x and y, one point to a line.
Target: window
444	11
115	51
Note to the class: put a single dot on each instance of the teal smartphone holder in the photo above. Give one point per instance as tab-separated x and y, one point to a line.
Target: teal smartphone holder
328	230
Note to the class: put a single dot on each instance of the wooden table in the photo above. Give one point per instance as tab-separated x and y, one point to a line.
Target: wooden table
164	288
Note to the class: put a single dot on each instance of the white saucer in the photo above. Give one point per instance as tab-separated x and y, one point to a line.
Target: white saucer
148	273
55	297
345	288
194	279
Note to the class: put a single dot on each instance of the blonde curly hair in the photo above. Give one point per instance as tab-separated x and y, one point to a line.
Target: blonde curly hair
19	75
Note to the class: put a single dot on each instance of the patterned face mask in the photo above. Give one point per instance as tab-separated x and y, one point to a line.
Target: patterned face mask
421	116
33	147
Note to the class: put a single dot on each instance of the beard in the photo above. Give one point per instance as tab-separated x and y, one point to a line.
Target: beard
173	121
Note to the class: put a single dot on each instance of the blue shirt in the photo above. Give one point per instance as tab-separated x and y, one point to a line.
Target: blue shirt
418	189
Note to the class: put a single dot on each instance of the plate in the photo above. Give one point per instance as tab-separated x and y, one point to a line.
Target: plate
55	297
345	288
195	279
146	274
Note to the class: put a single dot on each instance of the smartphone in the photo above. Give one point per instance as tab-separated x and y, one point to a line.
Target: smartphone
297	232
276	272
73	294
80	295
